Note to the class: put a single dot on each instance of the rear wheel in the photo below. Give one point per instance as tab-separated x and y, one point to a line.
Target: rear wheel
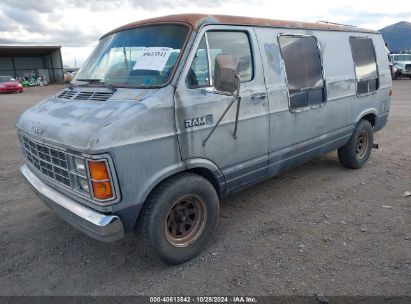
179	218
357	151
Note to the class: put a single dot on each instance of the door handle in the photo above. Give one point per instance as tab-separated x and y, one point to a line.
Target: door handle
258	97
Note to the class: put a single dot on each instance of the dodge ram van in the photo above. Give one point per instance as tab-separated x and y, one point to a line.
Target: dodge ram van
168	115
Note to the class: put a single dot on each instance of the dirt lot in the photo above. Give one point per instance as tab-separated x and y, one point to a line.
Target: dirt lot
319	228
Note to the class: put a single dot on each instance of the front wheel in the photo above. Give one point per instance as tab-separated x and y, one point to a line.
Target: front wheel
357	151
179	218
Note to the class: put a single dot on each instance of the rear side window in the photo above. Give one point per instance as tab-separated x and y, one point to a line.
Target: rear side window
363	54
219	42
303	68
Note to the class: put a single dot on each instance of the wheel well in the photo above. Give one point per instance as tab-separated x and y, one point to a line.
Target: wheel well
208	176
203	172
371	118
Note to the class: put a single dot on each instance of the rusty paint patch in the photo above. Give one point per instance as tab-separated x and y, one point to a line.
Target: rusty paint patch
141	94
273	57
196	21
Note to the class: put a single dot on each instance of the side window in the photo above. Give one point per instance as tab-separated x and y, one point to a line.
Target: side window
219	42
304	70
198	75
365	64
232	43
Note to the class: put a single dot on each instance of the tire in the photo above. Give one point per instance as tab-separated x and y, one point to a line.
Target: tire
179	218
357	151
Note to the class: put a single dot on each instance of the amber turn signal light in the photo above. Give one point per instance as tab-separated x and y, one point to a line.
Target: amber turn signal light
100	180
102	190
98	170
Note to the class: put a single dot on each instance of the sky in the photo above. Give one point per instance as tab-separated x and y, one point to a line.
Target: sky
77	25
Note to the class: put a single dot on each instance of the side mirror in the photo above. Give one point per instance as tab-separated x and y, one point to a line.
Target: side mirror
226	73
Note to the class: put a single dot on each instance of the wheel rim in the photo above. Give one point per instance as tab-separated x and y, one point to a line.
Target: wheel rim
362	144
185	220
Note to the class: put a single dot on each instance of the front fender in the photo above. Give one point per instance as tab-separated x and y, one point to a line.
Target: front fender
130	214
189	164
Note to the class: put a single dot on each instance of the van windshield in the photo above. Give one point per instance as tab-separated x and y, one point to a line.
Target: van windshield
139	57
403	57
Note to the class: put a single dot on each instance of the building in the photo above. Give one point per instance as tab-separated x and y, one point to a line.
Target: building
22	61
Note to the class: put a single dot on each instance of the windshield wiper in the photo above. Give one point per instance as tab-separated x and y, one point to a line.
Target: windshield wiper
99	82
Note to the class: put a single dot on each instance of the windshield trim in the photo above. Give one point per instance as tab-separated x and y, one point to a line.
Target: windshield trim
170	78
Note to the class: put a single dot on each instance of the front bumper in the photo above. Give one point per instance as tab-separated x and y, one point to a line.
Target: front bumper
99	226
404	72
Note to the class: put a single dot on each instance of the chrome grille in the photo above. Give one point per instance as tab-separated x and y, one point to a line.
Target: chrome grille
408	67
49	161
97	96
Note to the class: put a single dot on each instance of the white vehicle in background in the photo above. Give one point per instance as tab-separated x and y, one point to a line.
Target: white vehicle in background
402	65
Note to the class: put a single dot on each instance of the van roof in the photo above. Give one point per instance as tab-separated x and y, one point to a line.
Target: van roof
196	21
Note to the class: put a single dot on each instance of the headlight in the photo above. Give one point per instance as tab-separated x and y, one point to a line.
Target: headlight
83	183
81	174
79	166
93	177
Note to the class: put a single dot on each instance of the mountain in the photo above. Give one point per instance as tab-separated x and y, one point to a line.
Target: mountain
398	36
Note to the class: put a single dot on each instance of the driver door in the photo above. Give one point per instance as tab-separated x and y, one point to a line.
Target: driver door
243	159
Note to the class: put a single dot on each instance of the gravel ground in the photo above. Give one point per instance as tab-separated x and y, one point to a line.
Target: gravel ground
319	228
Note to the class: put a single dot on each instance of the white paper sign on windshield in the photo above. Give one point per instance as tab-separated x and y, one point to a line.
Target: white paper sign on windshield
152	58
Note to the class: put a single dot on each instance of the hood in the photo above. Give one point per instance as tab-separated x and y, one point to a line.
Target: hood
72	116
